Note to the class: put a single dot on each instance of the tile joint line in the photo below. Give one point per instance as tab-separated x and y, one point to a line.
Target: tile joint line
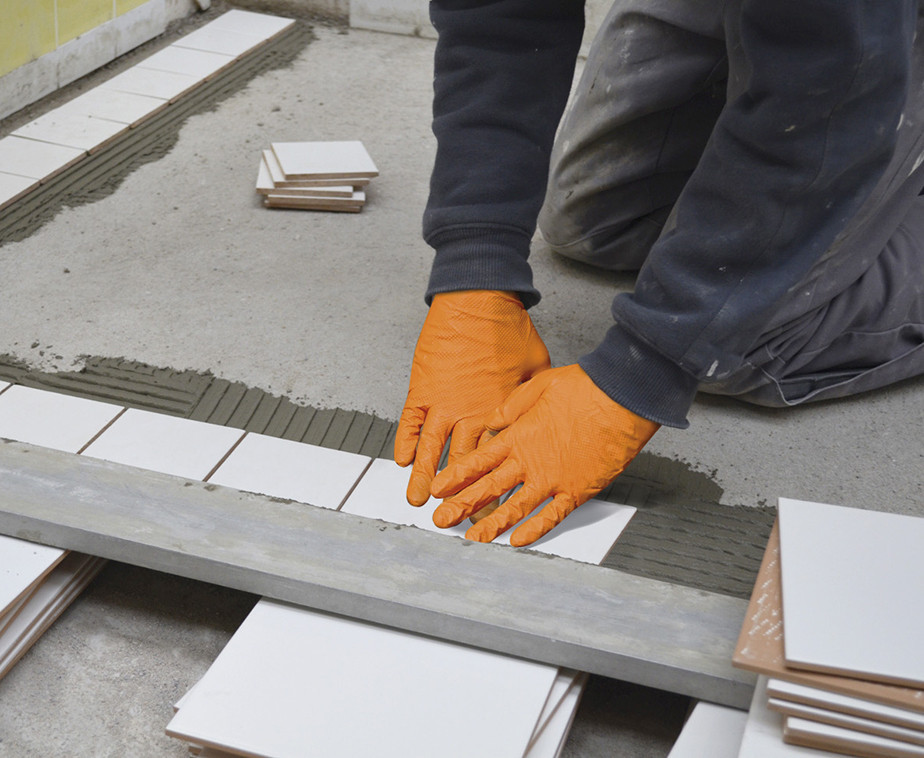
356	483
100	432
224	457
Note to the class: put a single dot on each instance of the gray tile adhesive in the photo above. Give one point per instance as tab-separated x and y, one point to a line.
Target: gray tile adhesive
681	533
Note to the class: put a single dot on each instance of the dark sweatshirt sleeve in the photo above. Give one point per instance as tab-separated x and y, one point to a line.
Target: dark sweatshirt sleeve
503	71
789	163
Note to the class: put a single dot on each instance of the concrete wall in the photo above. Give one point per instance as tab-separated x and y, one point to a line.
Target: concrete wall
45	44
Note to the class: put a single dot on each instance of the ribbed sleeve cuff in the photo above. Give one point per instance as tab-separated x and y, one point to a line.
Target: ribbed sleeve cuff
641	379
482	257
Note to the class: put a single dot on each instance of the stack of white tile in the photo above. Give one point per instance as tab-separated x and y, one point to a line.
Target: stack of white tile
848	675
53	142
38	582
296	682
329	176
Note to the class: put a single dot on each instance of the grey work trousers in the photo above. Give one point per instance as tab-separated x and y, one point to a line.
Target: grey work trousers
657	78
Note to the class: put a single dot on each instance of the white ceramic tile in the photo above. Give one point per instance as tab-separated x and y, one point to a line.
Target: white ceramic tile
265	185
181	60
846	740
292	470
345	159
114	105
13	187
763	733
711	730
551	729
50	419
348	691
845	721
279	178
74	130
163	85
777	688
22	564
222	41
586	535
248	22
36	160
168	444
556	718
852	584
47	603
4	385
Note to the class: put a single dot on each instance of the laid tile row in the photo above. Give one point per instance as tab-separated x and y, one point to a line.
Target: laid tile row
56	140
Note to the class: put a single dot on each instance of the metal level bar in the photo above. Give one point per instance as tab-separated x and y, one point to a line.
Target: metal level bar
547	609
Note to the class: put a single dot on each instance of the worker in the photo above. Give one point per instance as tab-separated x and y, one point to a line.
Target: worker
759	162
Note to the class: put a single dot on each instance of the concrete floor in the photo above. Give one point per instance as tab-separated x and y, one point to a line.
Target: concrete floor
182	267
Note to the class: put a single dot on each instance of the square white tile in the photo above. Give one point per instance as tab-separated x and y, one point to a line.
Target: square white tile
13	187
222	41
113	105
181	60
586	535
69	129
306	160
34	159
22	564
50	419
292	470
248	22
852	582
711	730
293	682
163	85
168	444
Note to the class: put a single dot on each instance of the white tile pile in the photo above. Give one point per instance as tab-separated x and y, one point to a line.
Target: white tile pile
38	582
328	176
847	675
294	681
58	139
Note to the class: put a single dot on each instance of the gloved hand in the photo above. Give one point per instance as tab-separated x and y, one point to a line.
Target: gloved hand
562	437
475	348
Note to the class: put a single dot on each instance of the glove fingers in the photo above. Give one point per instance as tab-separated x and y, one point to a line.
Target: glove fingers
521	503
412	418
465	438
544	521
517	403
486	490
430	446
484	459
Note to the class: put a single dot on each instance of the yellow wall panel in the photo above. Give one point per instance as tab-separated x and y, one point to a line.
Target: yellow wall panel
27	31
122	6
76	17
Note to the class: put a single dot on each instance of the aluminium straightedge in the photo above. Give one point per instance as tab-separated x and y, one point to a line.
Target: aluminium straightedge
517	602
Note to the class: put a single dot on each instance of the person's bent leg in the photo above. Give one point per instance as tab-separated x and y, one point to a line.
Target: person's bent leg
650	94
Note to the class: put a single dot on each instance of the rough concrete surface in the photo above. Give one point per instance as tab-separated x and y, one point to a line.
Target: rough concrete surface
182	267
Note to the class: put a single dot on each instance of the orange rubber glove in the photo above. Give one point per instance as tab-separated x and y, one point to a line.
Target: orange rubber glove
562	437
475	348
